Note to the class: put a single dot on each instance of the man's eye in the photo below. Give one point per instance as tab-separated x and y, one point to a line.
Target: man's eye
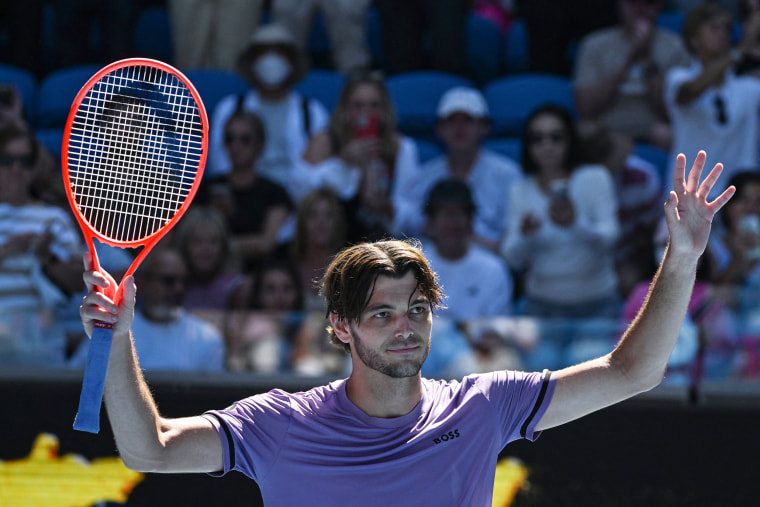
418	310
381	315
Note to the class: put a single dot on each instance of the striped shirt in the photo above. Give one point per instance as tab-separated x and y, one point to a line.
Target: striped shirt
23	285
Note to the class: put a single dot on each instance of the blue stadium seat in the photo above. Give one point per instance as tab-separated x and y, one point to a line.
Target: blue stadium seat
324	85
57	92
510	147
671	20
655	156
26	85
415	97
52	139
483	48
511	99
215	84
515	48
152	35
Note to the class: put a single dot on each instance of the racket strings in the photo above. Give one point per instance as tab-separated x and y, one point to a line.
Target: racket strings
134	152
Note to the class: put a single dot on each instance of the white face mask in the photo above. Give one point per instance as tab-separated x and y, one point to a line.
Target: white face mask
271	69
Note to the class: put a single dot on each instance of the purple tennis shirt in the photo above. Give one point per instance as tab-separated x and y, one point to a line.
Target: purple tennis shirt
318	448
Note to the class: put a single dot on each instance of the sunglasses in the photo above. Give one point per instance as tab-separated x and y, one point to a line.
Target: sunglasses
25	161
242	138
553	137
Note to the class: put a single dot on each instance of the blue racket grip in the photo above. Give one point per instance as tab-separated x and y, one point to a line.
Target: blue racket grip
91	397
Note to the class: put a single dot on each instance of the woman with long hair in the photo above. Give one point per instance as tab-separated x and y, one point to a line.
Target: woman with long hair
562	224
364	159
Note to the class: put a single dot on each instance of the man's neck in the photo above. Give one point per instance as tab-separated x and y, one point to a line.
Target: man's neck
379	395
461	162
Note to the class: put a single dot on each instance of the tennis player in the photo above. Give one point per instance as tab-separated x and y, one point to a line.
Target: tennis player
385	435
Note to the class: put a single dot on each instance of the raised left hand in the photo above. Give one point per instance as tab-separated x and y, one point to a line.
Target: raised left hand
688	214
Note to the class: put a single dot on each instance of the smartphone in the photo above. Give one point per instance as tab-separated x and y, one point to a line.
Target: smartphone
367	127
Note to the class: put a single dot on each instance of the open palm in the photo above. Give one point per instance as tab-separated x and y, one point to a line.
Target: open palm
688	214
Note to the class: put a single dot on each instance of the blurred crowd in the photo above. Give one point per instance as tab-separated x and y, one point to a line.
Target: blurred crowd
545	256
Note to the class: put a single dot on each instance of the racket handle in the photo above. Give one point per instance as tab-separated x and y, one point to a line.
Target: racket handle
91	397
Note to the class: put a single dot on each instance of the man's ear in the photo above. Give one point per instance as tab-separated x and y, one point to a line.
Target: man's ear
340	327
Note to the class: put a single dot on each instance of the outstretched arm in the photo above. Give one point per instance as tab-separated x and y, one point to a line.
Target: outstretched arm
146	441
638	362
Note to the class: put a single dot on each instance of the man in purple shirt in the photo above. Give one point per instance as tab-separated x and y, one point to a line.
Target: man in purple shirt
376	437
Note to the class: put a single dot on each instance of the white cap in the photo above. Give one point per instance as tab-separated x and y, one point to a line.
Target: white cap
462	99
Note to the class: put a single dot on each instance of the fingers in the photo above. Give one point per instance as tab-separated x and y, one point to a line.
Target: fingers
692	182
679	185
96	306
707	185
722	199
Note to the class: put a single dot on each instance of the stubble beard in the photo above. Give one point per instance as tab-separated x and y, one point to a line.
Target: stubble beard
374	359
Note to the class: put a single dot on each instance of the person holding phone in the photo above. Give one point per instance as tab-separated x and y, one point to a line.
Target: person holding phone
562	224
364	159
712	107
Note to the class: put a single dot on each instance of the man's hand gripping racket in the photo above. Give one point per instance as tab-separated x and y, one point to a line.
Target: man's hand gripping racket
134	149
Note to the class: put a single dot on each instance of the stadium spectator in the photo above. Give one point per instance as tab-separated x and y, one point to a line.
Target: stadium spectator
365	160
272	64
462	126
619	73
210	33
562	224
346	24
711	108
170	338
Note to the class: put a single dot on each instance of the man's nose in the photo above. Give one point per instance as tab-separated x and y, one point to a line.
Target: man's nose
403	327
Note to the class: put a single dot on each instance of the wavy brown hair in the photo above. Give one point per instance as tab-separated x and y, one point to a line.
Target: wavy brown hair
349	281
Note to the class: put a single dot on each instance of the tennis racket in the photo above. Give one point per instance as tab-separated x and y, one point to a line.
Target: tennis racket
134	149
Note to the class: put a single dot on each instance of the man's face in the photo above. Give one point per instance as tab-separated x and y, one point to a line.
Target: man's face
393	333
450	227
461	131
163	296
16	169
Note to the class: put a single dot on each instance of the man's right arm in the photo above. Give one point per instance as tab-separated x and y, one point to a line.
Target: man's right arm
147	442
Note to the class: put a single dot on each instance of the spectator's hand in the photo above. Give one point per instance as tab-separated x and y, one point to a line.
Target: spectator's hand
99	304
688	214
530	225
641	40
562	211
358	152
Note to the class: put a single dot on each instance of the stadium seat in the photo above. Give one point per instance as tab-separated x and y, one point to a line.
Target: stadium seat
671	20
510	147
57	92
483	48
655	156
323	85
26	86
152	36
511	99
415	98
215	84
52	139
